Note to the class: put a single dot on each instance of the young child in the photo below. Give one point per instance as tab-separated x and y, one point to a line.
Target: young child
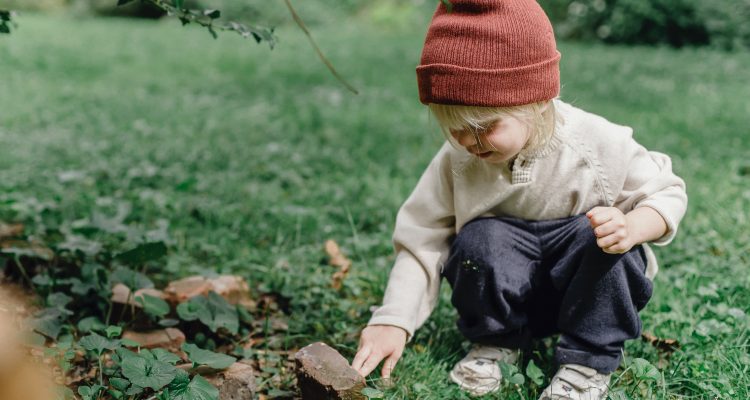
536	212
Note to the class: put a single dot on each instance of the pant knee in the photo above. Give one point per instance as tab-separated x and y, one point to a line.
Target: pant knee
477	236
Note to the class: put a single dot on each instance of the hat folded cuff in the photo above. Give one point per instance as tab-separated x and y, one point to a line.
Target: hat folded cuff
451	84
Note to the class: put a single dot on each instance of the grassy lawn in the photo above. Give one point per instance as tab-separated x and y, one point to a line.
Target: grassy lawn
252	158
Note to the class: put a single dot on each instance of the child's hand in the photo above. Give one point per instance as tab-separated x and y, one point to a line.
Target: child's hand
611	230
376	343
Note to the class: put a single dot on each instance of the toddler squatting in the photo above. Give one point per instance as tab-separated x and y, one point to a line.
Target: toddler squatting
536	212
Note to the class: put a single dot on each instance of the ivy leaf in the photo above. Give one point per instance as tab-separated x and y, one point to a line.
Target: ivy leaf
113	331
129	343
168	322
90	324
213	311
213	14
618	394
197	389
42	280
143	253
165	356
372	393
153	305
644	370
58	300
134	390
132	279
517	379
448	5
507	370
90	392
97	343
79	287
119	383
146	372
180	383
49	322
534	373
207	357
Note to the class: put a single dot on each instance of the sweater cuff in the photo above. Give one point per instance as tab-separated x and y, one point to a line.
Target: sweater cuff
399	322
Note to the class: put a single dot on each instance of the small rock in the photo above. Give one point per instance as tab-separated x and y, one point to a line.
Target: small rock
181	290
232	288
121	295
170	338
323	373
235	383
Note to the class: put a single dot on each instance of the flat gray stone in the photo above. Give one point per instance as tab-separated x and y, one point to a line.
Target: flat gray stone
323	373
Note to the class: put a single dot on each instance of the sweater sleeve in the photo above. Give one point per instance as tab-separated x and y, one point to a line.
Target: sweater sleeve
424	226
650	182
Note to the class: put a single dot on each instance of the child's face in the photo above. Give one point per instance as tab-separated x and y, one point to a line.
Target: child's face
500	142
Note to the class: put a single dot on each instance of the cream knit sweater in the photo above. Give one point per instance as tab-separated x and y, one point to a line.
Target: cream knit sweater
589	162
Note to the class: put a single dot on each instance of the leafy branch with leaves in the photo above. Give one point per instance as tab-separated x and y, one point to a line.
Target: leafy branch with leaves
6	21
208	19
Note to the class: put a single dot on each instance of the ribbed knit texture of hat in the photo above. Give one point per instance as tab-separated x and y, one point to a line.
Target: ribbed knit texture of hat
490	53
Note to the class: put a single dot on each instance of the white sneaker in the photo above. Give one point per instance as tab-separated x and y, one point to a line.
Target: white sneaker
478	372
576	382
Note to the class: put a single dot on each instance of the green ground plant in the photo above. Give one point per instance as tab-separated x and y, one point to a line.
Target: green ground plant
119	134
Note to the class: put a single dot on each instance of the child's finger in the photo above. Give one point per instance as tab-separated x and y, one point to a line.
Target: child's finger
361	356
607	241
389	364
599	215
616	248
595	210
607	228
370	364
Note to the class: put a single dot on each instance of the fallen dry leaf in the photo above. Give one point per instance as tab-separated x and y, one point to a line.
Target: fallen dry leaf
337	259
234	289
10	230
661	344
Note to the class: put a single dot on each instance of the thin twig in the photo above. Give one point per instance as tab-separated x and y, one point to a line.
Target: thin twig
322	57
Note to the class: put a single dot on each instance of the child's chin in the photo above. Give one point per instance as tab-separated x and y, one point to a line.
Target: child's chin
496	159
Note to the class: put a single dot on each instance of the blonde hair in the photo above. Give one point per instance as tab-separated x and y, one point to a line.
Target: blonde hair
541	118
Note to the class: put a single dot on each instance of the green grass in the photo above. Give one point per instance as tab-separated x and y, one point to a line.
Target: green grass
256	157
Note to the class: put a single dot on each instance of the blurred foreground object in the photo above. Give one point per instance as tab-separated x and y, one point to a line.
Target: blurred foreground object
6	21
20	377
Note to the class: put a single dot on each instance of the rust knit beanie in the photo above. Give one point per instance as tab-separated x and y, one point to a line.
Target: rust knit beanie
490	53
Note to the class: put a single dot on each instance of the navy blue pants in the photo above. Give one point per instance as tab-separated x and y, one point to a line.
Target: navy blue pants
514	280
